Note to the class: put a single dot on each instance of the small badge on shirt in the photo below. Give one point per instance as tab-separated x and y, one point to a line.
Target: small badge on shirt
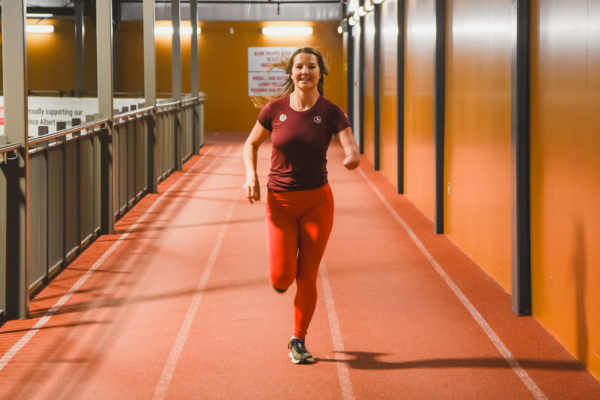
282	117
318	119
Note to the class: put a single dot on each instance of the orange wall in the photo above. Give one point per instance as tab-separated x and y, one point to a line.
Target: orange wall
565	174
418	97
477	212
224	65
51	57
389	93
369	76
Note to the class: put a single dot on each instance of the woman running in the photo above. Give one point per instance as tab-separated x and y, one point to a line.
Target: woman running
299	200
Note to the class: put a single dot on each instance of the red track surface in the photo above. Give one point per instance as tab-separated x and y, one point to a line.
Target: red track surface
405	333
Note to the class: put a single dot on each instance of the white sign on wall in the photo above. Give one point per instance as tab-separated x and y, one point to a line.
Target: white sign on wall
48	111
261	83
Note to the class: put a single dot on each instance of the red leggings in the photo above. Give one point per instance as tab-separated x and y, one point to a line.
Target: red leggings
298	227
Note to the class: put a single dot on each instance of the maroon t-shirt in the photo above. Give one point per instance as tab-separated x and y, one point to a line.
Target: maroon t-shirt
300	141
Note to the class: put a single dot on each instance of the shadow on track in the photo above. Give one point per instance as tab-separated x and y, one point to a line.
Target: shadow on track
370	361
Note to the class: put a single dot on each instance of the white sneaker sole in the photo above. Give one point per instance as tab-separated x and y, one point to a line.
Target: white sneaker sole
308	360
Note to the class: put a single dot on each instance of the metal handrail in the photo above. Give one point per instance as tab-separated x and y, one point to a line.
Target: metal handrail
65	132
82	127
165	105
192	100
9	147
132	113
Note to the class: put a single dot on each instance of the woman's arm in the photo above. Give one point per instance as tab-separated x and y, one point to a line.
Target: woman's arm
350	148
257	137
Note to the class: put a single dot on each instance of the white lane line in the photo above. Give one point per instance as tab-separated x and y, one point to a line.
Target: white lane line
54	309
510	359
167	375
336	335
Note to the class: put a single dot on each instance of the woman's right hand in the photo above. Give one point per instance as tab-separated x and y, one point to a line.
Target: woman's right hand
252	189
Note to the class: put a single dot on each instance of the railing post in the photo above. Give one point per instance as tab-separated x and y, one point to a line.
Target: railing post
97	132
105	107
176	79
14	60
65	226
79	163
201	119
150	93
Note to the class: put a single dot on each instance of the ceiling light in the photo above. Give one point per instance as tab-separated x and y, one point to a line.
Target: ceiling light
361	11
340	30
377	1
305	30
168	30
351	21
39	29
369	6
32	15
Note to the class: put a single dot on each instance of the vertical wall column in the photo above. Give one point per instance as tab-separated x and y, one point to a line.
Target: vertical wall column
150	92
104	30
14	62
520	190
377	89
195	70
439	94
79	49
361	82
350	67
176	77
3	232
116	16
356	124
400	93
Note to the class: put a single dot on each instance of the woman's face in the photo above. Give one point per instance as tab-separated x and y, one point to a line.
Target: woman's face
305	71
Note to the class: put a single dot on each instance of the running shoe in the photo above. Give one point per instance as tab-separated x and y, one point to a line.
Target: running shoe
279	290
298	352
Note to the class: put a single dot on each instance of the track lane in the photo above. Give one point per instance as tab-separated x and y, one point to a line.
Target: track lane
237	346
135	282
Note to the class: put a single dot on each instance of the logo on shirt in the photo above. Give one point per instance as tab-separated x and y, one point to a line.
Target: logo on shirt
282	117
318	119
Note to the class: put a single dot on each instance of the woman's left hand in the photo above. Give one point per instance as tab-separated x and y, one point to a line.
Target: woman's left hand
350	147
351	162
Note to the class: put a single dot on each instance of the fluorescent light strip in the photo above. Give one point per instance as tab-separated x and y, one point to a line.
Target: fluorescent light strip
33	15
168	30
39	28
288	31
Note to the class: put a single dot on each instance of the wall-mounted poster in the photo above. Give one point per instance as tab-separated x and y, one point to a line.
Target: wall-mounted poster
259	58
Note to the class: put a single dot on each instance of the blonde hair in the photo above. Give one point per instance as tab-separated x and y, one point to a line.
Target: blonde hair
286	65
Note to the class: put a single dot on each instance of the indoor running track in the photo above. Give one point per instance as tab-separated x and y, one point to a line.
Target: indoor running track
177	305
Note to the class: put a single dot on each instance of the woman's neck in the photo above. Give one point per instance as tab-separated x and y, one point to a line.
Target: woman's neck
302	101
